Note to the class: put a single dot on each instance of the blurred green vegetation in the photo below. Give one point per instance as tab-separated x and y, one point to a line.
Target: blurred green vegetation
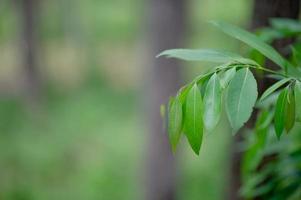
87	139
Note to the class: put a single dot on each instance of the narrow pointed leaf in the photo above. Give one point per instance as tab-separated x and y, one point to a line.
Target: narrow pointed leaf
194	118
274	87
212	103
182	93
253	41
298	100
174	122
279	117
227	76
210	55
241	98
290	111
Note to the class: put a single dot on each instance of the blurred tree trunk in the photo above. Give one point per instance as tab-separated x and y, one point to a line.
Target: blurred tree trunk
166	25
28	20
263	10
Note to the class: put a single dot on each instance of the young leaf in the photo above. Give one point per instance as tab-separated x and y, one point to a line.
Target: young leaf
253	41
227	76
194	118
241	98
279	117
174	122
274	87
182	93
209	55
298	100
212	103
290	111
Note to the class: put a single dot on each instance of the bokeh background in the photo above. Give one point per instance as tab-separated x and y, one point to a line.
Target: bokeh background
74	112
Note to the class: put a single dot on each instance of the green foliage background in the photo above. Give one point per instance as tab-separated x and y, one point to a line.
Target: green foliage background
88	141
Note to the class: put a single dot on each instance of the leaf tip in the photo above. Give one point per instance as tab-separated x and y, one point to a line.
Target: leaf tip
196	151
160	54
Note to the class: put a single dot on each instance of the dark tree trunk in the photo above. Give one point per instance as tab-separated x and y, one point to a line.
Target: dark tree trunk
165	29
263	10
28	17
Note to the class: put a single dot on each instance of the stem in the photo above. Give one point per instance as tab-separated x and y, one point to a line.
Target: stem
273	72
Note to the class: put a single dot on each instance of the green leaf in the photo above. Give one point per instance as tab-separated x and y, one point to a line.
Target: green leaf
289	26
212	103
241	98
194	118
227	76
274	87
298	100
174	122
210	55
268	34
182	93
290	111
279	118
253	41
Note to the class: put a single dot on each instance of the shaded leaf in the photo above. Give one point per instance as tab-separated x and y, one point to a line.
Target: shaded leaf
194	118
297	91
174	122
253	41
274	87
268	34
290	111
279	117
288	26
241	98
212	103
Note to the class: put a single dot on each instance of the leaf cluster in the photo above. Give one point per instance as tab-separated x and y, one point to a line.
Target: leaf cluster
197	107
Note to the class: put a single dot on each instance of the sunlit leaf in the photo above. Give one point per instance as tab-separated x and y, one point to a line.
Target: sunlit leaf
182	94
210	55
194	118
212	103
274	87
227	76
174	122
253	41
241	98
